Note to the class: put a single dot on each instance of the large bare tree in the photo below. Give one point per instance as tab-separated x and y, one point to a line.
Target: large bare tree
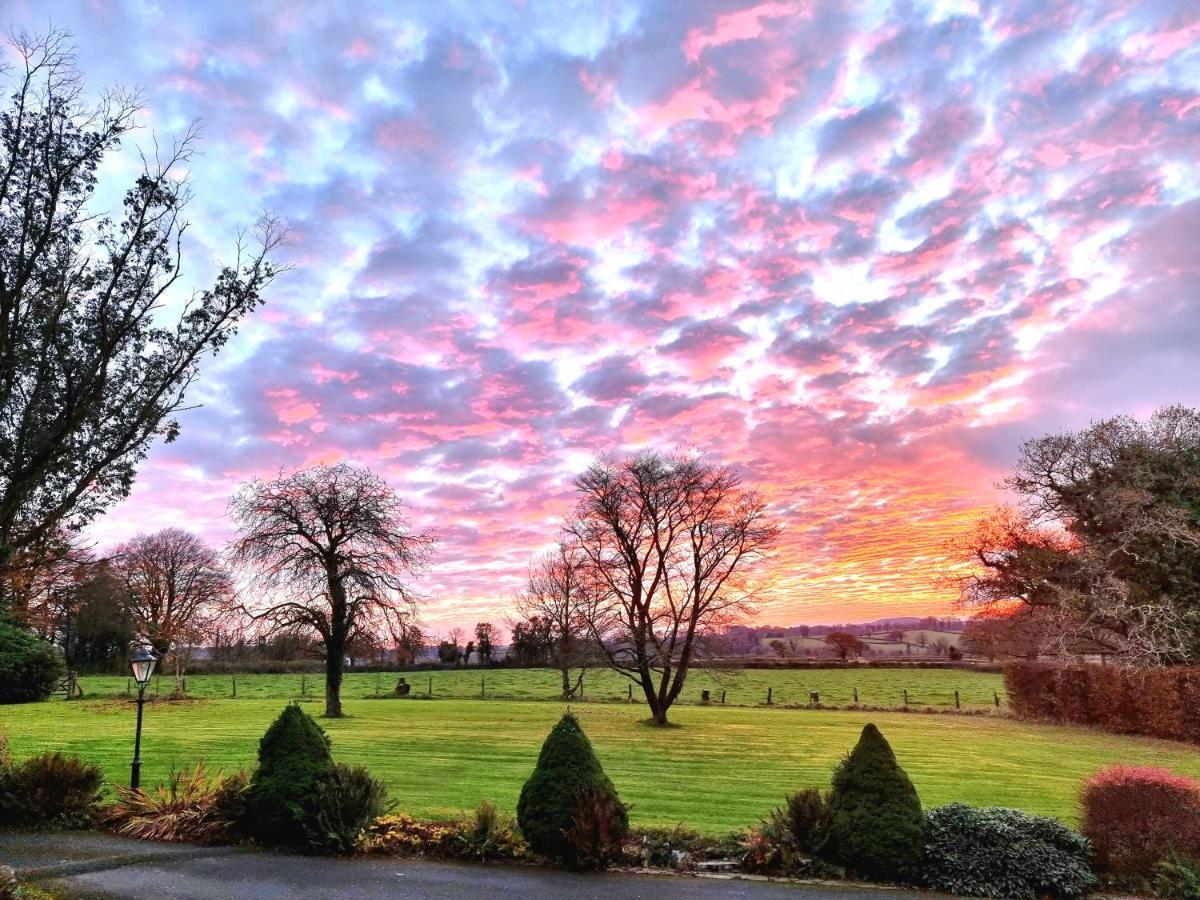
671	544
90	373
175	586
332	550
555	601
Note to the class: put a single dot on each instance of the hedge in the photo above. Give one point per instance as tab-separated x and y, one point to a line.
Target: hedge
1162	702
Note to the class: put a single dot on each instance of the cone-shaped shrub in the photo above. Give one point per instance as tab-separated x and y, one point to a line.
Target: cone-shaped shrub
874	825
567	784
293	764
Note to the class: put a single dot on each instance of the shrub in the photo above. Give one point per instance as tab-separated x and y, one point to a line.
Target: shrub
874	823
1178	878
229	801
293	762
597	828
568	792
183	809
52	790
30	668
995	852
340	808
788	838
1138	816
488	835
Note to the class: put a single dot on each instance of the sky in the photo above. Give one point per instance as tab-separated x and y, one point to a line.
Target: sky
857	251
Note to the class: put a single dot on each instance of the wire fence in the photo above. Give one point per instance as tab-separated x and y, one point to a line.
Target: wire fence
819	688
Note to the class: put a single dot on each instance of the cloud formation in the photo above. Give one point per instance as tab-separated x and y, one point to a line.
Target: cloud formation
858	255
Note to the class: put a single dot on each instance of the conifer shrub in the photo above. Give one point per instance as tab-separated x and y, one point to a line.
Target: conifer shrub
294	762
568	809
874	825
995	852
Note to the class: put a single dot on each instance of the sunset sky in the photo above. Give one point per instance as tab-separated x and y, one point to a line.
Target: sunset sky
858	251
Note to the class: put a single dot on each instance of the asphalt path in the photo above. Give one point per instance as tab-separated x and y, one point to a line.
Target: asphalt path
103	866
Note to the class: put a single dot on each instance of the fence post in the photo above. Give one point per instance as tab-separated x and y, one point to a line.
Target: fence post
769	690
814	698
957	702
377	687
996	697
126	686
430	685
856	695
234	676
630	694
906	696
303	686
482	687
722	695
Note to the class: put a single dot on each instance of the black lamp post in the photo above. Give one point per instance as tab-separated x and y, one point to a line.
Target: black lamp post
142	661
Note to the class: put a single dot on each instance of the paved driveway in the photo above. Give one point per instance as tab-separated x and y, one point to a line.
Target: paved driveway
88	865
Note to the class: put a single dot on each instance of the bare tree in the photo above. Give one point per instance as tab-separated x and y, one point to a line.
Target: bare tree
175	587
670	543
333	544
90	375
555	596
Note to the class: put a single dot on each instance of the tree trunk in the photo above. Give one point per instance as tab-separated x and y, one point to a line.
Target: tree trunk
658	706
566	684
333	681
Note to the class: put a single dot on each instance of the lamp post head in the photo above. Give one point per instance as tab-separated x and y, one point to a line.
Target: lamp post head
142	661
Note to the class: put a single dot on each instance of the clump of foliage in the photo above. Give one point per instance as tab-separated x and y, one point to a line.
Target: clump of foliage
402	835
1178	878
995	852
789	837
340	809
568	809
1139	816
30	668
874	825
598	828
51	790
188	807
487	835
294	763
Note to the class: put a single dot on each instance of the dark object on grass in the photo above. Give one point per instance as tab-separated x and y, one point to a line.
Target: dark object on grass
995	852
569	810
874	825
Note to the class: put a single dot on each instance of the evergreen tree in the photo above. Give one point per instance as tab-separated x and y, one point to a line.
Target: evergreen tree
568	783
875	825
294	762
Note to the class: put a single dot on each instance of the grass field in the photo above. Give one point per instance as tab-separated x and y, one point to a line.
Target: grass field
722	769
744	687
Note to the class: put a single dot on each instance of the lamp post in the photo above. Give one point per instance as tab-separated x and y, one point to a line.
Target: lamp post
142	661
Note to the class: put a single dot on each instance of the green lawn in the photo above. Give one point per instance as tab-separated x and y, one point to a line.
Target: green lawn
721	770
743	687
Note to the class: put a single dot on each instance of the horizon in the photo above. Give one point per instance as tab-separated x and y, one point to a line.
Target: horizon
797	240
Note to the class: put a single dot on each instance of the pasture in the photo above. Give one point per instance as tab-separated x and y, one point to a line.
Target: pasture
742	687
720	769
